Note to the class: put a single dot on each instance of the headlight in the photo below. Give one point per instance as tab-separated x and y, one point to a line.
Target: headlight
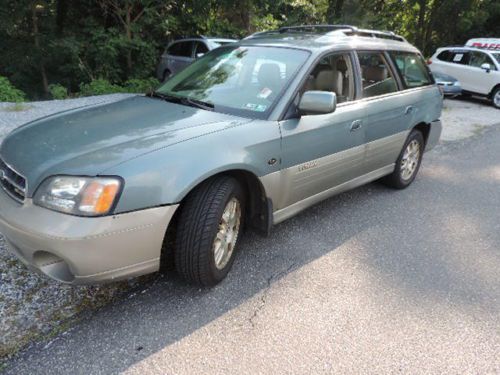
82	196
456	83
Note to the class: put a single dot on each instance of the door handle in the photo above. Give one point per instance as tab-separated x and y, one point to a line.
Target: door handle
409	110
356	125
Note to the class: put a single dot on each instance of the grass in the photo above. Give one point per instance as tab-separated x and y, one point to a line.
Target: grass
17	107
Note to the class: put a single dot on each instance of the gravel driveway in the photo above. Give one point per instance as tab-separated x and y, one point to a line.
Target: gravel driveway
32	307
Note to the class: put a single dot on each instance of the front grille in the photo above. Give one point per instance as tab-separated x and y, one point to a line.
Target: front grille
12	182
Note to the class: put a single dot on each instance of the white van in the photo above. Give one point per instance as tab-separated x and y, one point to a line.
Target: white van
476	65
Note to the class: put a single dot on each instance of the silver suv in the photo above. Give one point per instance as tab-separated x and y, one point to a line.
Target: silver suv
248	135
182	52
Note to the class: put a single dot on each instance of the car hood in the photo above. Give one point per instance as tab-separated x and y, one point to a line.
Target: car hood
89	140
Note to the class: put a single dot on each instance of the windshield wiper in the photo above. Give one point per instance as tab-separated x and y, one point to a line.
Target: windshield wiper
168	98
183	100
198	104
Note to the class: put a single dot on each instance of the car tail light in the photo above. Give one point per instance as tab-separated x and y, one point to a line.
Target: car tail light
429	62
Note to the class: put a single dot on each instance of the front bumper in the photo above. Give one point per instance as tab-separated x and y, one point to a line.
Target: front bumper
79	250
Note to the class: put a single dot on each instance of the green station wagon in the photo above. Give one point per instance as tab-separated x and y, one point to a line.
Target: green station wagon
246	136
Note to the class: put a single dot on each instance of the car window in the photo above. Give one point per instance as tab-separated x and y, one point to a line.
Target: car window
496	55
460	57
445	56
479	58
183	49
377	77
200	47
412	68
225	78
334	73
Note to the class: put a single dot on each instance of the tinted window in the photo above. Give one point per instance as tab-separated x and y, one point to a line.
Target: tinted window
445	56
479	58
412	69
376	75
183	49
200	48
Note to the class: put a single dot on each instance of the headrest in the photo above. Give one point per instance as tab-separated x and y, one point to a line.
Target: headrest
269	75
341	65
375	73
325	80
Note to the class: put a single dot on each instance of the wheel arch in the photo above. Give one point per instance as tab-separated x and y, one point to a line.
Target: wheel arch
425	129
258	210
496	87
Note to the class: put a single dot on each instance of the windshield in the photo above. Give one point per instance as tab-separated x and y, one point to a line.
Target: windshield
496	55
246	81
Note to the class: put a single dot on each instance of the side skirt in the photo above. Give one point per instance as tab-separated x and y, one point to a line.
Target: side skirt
297	207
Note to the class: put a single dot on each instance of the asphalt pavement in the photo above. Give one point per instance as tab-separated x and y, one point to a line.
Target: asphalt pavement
374	281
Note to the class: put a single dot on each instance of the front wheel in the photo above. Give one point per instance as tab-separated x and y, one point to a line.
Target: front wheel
209	228
496	98
408	162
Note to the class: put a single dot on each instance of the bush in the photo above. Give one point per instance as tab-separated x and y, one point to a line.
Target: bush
9	93
99	87
58	91
141	85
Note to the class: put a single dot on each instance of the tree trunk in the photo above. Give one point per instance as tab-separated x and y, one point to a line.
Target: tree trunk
421	24
128	30
41	65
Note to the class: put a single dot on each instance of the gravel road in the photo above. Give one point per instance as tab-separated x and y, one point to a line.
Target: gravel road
371	281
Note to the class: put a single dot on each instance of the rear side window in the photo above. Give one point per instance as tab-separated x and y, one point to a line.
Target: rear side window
183	49
412	69
460	57
201	48
376	75
445	56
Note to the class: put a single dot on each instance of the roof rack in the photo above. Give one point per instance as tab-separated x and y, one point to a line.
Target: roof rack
316	28
347	30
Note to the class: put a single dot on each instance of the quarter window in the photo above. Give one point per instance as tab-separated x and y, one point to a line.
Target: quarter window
377	77
412	69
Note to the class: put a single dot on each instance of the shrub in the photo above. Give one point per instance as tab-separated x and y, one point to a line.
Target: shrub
141	85
58	91
9	93
99	87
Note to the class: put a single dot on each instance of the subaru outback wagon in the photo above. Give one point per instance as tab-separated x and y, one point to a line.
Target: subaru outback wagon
247	136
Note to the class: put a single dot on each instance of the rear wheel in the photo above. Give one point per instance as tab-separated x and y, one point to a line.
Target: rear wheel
209	228
496	98
408	162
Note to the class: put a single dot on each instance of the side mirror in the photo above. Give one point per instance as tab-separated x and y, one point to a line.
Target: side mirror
486	67
317	103
198	55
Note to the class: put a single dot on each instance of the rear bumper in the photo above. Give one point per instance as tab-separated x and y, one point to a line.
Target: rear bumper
77	250
434	135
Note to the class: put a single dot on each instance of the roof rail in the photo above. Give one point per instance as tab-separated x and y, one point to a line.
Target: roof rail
316	28
347	30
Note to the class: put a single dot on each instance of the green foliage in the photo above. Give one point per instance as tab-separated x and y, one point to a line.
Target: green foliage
99	87
58	91
9	93
89	41
136	85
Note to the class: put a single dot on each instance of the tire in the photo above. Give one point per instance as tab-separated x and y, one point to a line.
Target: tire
495	98
401	178
203	232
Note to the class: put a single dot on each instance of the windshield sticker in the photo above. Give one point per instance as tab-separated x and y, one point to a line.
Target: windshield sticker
255	107
264	94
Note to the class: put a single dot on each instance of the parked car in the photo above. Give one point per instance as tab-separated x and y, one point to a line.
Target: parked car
111	191
182	52
478	70
449	85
